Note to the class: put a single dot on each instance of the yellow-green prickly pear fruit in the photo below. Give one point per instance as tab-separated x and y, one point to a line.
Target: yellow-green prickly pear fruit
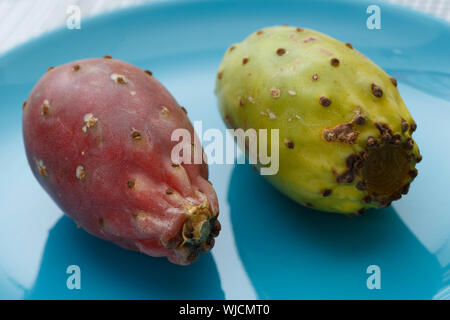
344	132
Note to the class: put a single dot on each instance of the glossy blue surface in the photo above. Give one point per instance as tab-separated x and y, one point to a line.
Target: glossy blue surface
270	247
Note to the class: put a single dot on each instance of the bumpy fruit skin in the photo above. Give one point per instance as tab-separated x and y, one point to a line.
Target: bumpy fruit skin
97	134
345	133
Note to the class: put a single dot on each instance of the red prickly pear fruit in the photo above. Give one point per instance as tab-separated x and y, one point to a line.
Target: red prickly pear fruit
97	135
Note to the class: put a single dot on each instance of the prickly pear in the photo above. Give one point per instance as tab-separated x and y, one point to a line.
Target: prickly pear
98	138
345	132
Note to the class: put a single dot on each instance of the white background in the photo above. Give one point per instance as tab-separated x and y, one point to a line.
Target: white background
21	20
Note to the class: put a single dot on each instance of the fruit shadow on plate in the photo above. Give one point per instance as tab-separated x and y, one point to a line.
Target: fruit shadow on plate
293	252
110	272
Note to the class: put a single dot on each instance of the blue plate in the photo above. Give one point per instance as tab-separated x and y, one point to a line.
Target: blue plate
270	247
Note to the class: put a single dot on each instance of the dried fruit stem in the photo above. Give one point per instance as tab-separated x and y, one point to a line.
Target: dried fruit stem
198	232
385	171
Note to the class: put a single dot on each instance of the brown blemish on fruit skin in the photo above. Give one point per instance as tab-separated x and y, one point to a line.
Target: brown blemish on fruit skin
24	104
184	109
90	121
396	139
275	92
413	127
385	131
164	111
118	78
76	67
324	101
281	51
50	69
419	158
228	120
80	173
394	81
148	72
101	222
315	77
334	62
413	173
231	48
376	90
42	169
245	61
175	165
219	75
352	160
136	135
326	192
107	57
259	32
405	188
367	199
346	177
241	101
310	39
299	29
360	117
131	184
404	125
169	191
361	186
45	108
325	51
409	144
371	141
309	204
289	144
343	133
349	45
